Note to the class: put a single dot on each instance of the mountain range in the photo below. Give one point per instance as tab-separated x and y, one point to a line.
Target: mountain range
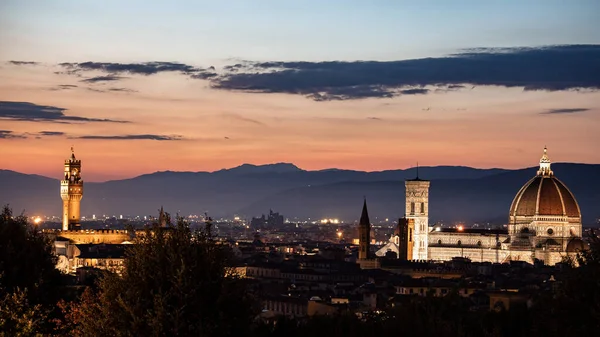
457	193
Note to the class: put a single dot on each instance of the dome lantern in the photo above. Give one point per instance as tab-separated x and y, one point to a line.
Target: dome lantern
545	165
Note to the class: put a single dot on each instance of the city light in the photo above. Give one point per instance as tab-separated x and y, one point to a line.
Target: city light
460	228
37	220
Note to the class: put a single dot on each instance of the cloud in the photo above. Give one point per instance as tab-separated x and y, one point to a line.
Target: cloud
102	79
375	118
63	87
30	112
144	68
244	119
564	111
568	67
51	133
112	90
7	134
135	137
22	63
414	91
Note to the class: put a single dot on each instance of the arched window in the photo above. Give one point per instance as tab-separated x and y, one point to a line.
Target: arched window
422	208
479	243
412	208
459	243
439	242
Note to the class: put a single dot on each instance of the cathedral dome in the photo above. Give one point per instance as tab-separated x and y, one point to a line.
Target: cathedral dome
545	195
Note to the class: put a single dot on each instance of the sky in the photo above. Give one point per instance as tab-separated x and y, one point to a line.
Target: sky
143	86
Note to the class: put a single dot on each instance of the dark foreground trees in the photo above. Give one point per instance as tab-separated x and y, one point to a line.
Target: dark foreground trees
176	282
29	281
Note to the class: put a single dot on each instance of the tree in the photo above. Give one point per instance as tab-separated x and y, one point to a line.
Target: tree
175	282
29	281
574	307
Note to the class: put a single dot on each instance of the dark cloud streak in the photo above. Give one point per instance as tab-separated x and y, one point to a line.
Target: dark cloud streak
564	111
23	63
30	112
134	137
7	134
547	68
102	79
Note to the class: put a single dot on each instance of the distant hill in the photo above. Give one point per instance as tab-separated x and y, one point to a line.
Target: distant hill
457	193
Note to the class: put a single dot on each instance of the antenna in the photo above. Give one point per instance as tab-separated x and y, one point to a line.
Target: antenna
417	170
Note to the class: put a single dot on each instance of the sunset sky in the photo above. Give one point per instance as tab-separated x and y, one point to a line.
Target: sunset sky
368	85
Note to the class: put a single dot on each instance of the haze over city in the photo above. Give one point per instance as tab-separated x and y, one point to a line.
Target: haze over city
139	87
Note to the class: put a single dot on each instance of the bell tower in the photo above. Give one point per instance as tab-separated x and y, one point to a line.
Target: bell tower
364	234
417	214
71	192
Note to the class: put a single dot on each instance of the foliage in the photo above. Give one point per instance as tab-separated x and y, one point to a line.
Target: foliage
18	317
175	282
29	281
26	258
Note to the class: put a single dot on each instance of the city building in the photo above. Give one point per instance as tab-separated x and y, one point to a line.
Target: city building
544	224
273	220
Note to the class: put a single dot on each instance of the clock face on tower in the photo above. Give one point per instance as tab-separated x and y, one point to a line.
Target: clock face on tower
74	172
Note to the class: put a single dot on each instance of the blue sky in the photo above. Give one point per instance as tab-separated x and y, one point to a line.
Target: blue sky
93	80
211	31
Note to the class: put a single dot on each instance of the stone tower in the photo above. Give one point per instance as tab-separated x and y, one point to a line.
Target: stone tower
364	234
417	212
404	237
71	192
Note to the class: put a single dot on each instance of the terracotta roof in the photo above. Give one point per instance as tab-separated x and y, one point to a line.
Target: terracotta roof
545	195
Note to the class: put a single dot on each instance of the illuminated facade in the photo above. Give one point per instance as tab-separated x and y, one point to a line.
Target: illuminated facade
71	192
544	224
417	211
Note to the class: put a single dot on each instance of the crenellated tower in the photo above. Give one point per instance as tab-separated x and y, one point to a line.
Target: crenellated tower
417	214
71	192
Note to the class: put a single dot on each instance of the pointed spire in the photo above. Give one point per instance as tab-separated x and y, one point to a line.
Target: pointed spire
72	153
364	217
162	219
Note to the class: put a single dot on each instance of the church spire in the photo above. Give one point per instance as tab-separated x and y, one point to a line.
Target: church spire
545	165
364	234
364	217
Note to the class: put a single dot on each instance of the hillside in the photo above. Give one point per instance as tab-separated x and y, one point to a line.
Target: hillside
457	193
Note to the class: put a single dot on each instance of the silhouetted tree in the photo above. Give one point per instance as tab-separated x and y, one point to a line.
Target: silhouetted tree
175	282
29	281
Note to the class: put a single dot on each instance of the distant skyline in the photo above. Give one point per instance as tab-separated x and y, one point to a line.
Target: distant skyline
139	87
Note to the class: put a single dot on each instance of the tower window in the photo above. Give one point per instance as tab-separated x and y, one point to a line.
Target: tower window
479	243
439	242
459	243
412	208
422	208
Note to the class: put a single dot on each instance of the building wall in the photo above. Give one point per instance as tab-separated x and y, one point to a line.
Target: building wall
112	236
444	246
